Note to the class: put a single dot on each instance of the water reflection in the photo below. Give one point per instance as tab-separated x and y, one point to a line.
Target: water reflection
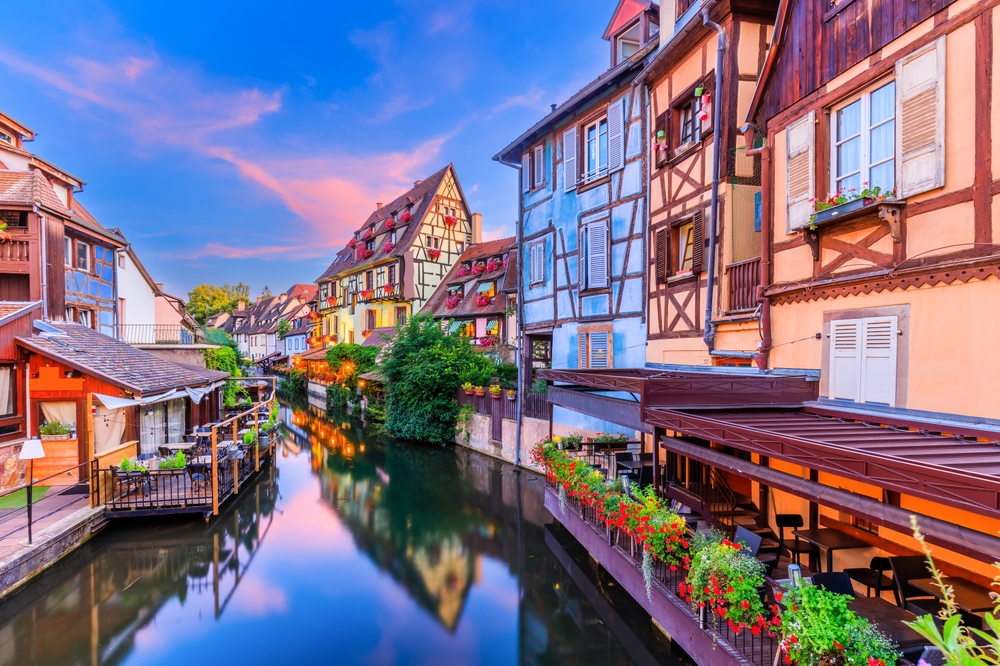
373	552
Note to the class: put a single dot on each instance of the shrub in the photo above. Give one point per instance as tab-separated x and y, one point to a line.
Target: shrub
176	461
349	360
250	437
294	385
129	465
55	428
227	360
337	396
725	579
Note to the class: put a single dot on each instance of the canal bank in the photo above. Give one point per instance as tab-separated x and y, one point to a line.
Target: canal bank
392	553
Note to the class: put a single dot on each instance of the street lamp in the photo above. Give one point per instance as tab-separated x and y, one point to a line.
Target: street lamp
31	451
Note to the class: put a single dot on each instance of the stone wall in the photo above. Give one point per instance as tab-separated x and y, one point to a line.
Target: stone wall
15	473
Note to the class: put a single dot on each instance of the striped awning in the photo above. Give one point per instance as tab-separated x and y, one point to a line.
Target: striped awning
484	287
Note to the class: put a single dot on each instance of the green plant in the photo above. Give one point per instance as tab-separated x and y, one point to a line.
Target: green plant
605	438
176	461
55	428
725	579
956	640
226	359
463	424
495	389
539	386
819	628
294	385
129	465
844	196
250	436
467	386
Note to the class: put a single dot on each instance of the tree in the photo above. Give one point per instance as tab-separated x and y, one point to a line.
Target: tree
206	300
283	328
266	293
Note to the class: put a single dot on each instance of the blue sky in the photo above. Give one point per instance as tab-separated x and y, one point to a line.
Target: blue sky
245	140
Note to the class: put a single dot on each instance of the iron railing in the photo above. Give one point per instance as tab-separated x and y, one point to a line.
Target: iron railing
743	279
84	469
383	293
160	334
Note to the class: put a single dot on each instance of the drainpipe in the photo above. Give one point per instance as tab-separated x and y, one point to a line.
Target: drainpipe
764	348
45	266
520	311
720	54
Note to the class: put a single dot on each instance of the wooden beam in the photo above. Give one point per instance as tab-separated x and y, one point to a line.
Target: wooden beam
215	472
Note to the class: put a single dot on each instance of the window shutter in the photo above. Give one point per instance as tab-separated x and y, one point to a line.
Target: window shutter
698	251
597	255
598	349
616	135
662	256
526	173
920	113
878	365
584	361
539	166
660	156
800	139
845	358
537	263
570	170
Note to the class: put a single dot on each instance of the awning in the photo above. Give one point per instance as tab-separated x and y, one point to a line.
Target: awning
624	412
492	325
455	325
195	394
484	287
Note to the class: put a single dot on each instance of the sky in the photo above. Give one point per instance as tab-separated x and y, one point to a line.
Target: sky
245	141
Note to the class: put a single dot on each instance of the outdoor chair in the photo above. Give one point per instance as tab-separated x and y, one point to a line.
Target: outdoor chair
645	457
795	547
837	582
874	577
905	569
752	543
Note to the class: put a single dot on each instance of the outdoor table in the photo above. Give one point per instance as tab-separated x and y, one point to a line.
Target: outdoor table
179	446
970	597
890	619
830	540
609	453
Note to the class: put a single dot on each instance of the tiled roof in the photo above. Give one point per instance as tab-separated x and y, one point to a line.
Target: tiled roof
467	308
116	362
264	316
379	337
210	375
30	187
303	292
347	260
510	276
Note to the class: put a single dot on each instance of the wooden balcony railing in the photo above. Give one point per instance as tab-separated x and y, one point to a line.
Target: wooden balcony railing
14	250
743	279
383	293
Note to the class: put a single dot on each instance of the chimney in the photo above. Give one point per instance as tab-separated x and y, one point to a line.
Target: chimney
282	298
241	305
553	106
668	21
159	286
260	298
378	206
477	228
417	182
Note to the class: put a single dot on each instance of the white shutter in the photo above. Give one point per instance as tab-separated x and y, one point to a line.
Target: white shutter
597	255
537	263
539	166
598	349
800	139
845	358
920	114
616	135
526	173
570	171
878	362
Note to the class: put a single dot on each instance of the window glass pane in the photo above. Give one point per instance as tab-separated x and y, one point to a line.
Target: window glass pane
591	149
883	103
7	401
849	157
849	121
83	256
603	146
686	237
850	183
884	175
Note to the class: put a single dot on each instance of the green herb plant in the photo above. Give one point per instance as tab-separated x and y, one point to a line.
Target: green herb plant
55	428
129	465
176	461
250	436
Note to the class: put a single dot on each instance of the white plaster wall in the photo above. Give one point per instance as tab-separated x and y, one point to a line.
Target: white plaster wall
140	299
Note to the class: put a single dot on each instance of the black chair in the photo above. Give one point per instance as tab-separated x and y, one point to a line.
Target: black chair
795	547
645	477
752	543
645	457
874	577
905	569
834	581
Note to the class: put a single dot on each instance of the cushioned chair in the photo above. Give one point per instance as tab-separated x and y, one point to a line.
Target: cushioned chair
752	543
795	547
836	581
874	577
905	569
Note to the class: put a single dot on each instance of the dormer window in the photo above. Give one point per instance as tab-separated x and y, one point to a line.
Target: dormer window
628	43
6	138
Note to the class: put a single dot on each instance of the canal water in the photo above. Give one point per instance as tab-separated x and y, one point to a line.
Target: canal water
351	550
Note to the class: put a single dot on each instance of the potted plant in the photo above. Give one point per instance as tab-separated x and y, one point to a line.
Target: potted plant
55	430
493	265
390	223
511	395
388	247
724	579
468	388
453	301
368	233
405	217
495	391
478	268
450	220
177	461
433	254
367	293
480	391
846	201
482	300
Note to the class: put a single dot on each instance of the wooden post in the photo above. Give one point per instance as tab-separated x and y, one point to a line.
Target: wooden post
658	434
236	477
215	472
256	449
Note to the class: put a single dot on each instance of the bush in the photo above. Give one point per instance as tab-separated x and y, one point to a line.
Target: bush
337	396
725	578
226	359
55	428
176	461
349	360
294	385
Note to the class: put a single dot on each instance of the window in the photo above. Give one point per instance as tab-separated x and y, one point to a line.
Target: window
121	261
629	43
685	247
82	256
595	347
864	141
536	267
493	327
863	359
8	391
401	316
70	314
488	288
323	292
689	129
6	138
679	247
370	245
68	251
370	320
392	273
596	149
594	259
433	242
85	317
457	290
369	280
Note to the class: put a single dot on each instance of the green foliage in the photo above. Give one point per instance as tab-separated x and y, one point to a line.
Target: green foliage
819	628
422	367
129	465
294	385
725	578
216	336
206	300
250	436
539	386
55	428
606	438
226	360
176	461
349	360
283	328
463	422
337	396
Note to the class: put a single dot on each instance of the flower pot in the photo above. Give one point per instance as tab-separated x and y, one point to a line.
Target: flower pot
480	393
841	209
53	437
495	396
512	397
469	391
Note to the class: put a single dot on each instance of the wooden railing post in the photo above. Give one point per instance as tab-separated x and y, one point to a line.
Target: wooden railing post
256	448
215	473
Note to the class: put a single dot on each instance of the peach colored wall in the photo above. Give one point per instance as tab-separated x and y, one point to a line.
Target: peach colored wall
166	313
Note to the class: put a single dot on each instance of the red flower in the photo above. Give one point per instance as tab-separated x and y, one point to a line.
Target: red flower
778	596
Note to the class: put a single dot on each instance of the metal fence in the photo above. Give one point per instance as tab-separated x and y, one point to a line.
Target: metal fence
159	334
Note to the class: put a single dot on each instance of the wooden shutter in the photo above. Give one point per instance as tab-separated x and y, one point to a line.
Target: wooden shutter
920	114
537	263
597	255
845	358
539	165
616	135
878	360
584	361
598	349
525	173
800	139
660	156
570	170
698	251
662	254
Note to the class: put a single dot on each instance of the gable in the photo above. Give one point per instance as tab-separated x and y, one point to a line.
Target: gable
626	12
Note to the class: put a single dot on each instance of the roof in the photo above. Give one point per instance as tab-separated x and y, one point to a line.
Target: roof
599	86
625	13
510	276
9	308
22	129
437	304
421	194
379	337
114	361
318	354
30	187
264	316
303	292
210	375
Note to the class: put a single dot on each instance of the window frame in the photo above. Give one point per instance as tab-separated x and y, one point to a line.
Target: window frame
78	245
585	357
537	246
675	120
595	121
68	252
538	167
864	156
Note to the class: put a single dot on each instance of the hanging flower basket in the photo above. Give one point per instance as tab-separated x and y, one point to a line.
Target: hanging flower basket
390	223
450	221
493	265
511	395
331	301
462	271
482	300
480	391
453	302
468	388
433	254
367	293
405	217
388	247
495	391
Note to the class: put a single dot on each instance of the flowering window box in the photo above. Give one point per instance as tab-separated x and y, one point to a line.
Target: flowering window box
368	234
389	288
434	254
388	247
478	269
367	293
462	272
482	300
390	223
450	221
452	302
352	242
493	265
405	217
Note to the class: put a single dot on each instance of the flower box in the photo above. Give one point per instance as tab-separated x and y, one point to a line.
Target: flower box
433	254
495	396
390	287
493	265
390	223
367	293
352	242
388	247
512	395
368	234
469	391
462	272
478	269
450	220
46	438
405	217
452	302
482	300
841	209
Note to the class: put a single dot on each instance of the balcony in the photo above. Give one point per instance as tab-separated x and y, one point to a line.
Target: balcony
743	279
161	334
389	292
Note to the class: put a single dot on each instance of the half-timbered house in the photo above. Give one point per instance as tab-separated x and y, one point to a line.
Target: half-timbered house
583	214
396	260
